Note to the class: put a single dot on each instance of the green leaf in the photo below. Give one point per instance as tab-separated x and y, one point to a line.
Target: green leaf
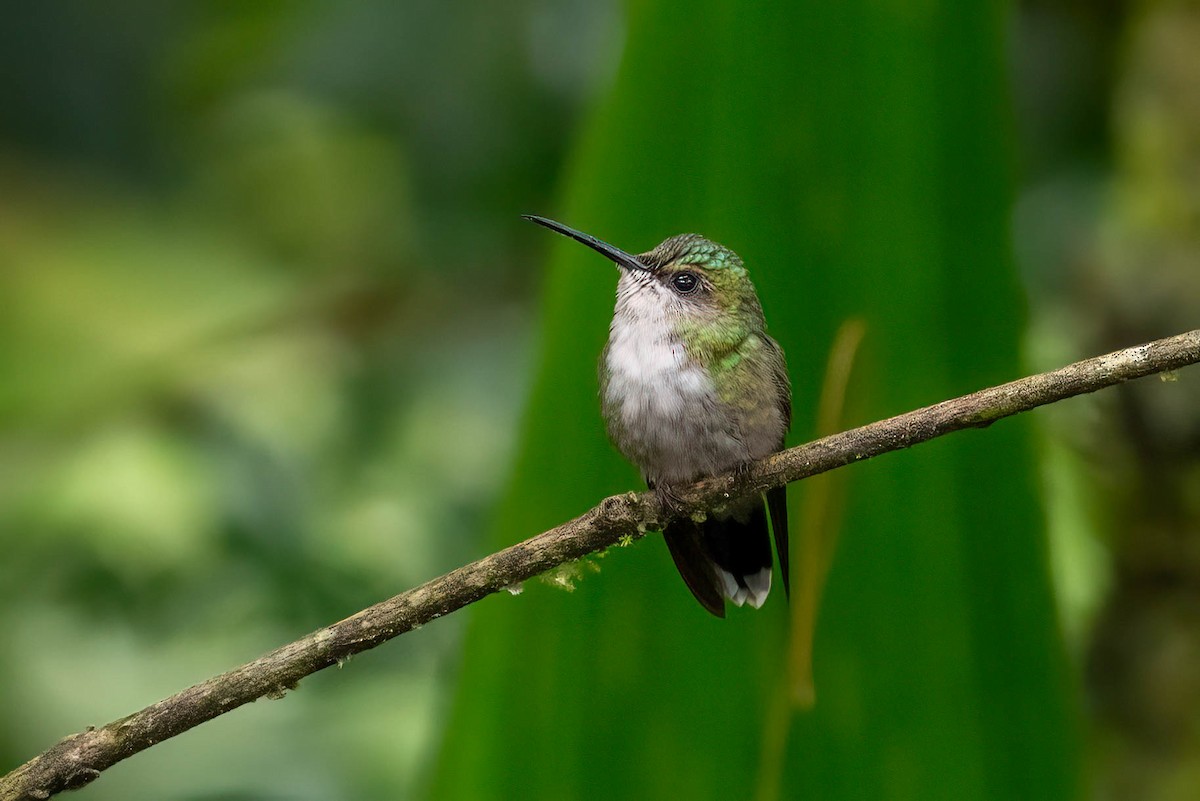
857	156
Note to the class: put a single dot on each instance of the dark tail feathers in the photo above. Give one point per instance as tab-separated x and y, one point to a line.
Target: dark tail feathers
731	557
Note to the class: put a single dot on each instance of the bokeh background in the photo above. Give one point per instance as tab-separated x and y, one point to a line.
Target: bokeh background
275	344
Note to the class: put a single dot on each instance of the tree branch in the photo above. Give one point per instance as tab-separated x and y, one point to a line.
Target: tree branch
80	758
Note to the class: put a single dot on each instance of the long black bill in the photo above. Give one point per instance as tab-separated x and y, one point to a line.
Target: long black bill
616	254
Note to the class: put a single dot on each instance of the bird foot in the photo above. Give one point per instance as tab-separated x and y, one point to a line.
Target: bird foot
669	499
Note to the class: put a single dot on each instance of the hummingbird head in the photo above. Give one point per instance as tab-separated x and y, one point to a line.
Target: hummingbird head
686	276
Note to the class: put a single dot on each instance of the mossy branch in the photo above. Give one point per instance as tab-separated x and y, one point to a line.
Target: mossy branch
80	758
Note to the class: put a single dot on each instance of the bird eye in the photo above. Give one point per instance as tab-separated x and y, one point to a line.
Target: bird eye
685	283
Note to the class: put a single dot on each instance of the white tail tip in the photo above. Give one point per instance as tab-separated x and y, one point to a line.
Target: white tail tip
758	586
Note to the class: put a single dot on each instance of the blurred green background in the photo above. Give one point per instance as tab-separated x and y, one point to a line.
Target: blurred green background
275	344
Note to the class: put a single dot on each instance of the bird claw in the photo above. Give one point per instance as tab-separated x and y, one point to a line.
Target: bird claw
669	500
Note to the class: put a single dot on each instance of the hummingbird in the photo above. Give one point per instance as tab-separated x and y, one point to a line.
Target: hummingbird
692	386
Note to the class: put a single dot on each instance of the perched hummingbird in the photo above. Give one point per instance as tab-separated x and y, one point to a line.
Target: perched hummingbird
691	386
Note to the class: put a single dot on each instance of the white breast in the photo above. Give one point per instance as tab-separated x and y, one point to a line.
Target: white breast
663	410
